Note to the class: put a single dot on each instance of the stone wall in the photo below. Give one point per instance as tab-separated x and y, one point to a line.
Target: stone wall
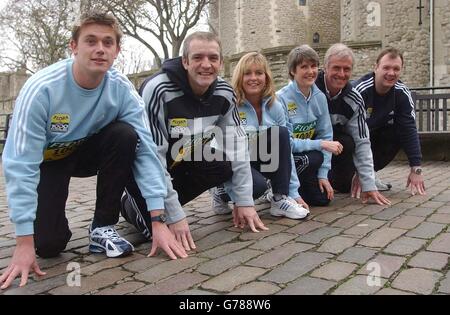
255	29
247	25
224	20
290	20
399	27
252	25
442	40
411	38
324	19
277	58
355	27
10	85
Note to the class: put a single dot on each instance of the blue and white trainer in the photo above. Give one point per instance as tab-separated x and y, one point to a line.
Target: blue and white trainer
287	207
106	239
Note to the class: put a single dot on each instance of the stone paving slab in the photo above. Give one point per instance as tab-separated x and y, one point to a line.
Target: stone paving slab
334	271
337	250
404	246
441	244
429	260
386	264
308	286
357	255
417	280
359	286
445	285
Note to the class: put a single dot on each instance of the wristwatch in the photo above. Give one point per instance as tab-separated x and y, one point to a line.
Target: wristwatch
159	218
417	170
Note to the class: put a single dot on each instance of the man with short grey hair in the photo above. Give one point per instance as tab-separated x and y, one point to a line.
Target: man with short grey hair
347	112
188	107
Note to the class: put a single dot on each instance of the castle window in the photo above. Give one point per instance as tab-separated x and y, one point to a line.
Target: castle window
302	2
316	38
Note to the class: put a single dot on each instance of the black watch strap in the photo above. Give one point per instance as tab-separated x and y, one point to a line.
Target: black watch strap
159	218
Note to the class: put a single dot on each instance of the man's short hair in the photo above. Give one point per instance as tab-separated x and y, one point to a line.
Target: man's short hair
97	17
392	52
206	36
300	54
339	50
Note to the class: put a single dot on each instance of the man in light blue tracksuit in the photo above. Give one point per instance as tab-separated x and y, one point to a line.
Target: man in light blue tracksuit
78	117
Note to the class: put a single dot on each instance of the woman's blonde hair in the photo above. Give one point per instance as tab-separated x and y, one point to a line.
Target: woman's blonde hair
238	76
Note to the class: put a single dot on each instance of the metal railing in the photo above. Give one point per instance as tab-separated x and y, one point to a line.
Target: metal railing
432	111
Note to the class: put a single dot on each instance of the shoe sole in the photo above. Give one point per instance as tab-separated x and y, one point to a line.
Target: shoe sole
96	248
283	215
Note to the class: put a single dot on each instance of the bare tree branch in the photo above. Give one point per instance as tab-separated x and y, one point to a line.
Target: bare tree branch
161	25
40	31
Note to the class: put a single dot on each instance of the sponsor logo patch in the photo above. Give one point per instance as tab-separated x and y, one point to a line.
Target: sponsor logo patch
305	130
179	126
60	123
59	150
369	112
243	117
292	109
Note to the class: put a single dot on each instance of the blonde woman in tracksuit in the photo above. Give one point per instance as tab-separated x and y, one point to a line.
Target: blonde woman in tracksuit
263	119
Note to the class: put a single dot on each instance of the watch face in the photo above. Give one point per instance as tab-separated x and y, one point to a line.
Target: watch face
418	171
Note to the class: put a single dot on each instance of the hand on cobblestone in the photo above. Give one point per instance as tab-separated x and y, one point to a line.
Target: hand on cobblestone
356	187
325	186
183	234
376	196
22	262
248	215
416	184
163	238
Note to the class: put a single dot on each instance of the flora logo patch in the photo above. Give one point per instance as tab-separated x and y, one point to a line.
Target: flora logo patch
60	123
179	126
292	109
243	118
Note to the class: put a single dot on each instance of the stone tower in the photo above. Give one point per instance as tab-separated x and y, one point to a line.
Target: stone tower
372	25
247	25
419	28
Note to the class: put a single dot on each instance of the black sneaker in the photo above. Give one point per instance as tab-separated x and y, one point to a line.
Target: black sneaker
132	214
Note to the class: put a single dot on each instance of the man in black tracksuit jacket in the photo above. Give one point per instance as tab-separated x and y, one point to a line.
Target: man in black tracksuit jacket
390	113
191	111
352	170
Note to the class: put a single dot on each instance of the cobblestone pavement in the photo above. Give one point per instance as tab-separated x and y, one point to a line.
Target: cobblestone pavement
338	250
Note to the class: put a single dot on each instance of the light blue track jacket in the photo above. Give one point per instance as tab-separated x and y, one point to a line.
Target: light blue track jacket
271	116
308	121
53	116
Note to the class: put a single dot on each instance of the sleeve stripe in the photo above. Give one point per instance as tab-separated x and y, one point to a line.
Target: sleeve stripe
359	102
364	85
405	90
154	108
25	102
